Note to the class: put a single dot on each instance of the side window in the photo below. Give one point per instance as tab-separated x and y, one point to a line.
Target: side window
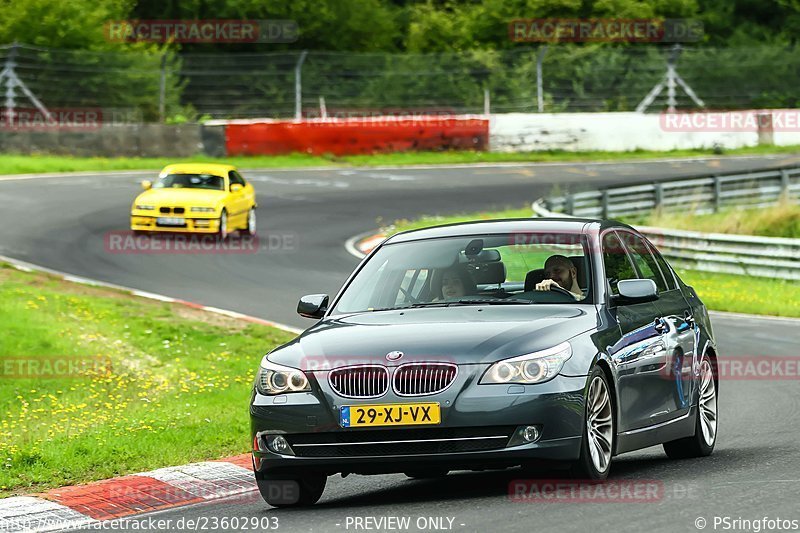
645	262
617	263
665	268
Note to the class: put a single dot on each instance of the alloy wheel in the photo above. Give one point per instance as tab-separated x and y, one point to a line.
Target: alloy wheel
599	424
708	403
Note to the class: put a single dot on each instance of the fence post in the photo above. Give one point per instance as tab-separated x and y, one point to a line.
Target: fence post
604	204
569	204
784	184
487	104
717	194
162	89
658	195
298	87
539	80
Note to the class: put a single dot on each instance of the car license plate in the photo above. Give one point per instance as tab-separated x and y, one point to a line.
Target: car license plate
398	414
170	221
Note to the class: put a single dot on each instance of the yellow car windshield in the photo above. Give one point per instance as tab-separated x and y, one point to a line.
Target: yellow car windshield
191	181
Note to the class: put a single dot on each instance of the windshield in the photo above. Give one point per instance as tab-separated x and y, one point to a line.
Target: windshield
191	181
508	269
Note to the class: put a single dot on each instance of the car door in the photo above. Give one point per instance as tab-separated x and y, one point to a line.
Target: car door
638	354
677	333
678	314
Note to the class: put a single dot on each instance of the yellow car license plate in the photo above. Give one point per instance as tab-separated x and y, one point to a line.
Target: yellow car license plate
397	414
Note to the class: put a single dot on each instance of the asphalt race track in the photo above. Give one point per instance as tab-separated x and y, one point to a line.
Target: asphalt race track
61	223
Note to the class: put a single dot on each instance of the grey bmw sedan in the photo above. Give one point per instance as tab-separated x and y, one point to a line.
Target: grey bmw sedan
488	345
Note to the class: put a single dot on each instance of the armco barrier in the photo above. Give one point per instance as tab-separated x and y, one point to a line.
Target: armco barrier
356	135
701	194
767	257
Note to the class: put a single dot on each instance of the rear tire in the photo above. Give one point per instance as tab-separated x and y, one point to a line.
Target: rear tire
705	428
250	229
291	490
599	430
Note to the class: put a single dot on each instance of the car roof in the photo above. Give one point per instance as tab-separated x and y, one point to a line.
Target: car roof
508	225
215	169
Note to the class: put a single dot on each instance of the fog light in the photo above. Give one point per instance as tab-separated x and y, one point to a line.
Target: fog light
525	435
279	444
531	434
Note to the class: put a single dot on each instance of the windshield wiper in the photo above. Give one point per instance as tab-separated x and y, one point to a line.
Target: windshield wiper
413	306
494	301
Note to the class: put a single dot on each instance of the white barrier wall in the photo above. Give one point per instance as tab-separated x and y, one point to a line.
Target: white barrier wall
523	132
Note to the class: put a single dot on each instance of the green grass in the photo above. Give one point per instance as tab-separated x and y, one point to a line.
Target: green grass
781	220
22	164
720	292
745	294
178	390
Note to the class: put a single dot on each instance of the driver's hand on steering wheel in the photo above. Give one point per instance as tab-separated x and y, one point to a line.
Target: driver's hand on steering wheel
547	284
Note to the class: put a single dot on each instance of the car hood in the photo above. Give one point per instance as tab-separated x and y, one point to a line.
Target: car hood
180	197
463	335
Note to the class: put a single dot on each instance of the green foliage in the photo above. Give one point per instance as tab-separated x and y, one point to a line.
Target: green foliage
446	53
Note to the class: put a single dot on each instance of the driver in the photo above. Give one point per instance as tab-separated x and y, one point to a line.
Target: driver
559	271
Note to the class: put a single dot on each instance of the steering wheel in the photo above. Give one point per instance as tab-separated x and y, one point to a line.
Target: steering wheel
562	290
408	296
555	287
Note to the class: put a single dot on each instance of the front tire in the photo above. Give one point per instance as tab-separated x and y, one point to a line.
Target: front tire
223	226
291	490
599	430
705	429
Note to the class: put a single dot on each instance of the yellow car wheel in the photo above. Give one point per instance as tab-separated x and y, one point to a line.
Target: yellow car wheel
251	223
223	226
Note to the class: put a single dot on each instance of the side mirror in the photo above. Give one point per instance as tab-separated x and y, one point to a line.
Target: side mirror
236	187
636	291
147	184
313	305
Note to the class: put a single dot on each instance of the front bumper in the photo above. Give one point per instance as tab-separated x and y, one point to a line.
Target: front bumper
476	429
193	224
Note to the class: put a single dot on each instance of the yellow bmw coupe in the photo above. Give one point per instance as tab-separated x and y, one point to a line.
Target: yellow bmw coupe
196	198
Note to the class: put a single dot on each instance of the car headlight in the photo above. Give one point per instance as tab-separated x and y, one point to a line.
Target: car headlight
145	207
202	209
277	379
530	368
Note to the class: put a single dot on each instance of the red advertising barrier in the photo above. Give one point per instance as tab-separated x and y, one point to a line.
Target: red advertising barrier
357	136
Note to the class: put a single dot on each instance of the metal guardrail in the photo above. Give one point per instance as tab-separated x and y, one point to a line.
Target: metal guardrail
768	257
701	195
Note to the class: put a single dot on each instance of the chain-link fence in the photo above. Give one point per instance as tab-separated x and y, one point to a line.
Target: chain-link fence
555	78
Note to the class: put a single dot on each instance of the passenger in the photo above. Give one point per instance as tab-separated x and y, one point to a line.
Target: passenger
559	270
454	282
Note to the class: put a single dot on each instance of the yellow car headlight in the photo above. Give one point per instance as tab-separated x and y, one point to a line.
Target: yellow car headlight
144	207
202	209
